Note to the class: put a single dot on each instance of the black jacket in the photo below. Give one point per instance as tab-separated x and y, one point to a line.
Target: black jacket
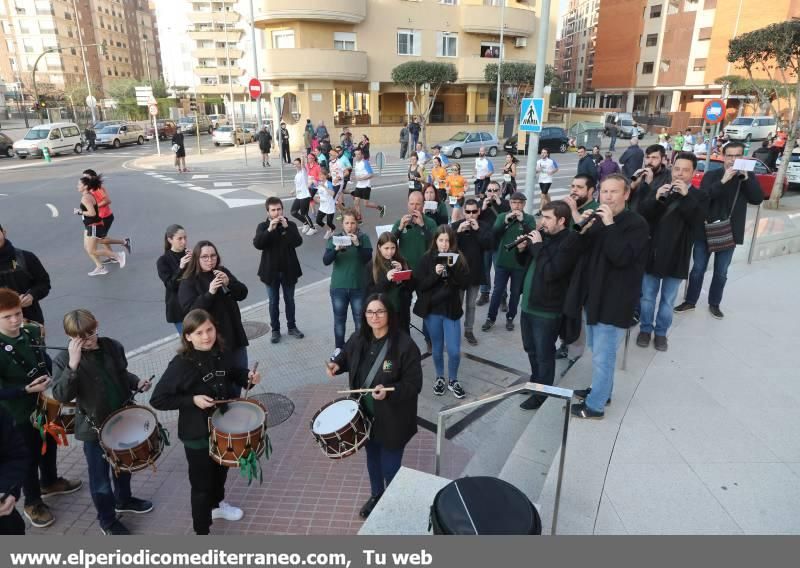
87	386
664	176
264	141
183	380
22	272
631	160
489	215
402	291
555	257
434	290
587	166
472	245
607	280
278	252
721	197
673	226
169	270
14	457
395	416
224	308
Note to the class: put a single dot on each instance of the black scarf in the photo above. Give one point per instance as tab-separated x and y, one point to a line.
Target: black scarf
7	253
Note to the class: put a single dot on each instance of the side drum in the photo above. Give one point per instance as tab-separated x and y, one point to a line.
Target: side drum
340	428
132	439
238	429
50	412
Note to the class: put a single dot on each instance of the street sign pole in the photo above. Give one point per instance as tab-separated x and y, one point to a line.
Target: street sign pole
244	140
153	107
713	113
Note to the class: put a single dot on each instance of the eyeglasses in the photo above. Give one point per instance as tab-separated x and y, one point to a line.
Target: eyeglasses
376	313
734	155
471	211
491	191
208	257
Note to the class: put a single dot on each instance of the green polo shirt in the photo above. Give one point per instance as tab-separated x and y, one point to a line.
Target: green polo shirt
14	376
413	243
348	269
527	284
508	258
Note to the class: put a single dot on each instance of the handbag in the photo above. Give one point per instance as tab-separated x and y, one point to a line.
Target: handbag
175	148
719	234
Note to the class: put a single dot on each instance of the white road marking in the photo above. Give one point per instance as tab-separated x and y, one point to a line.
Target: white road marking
223	184
200	176
53	209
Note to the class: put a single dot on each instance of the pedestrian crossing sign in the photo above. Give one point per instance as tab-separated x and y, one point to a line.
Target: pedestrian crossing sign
530	115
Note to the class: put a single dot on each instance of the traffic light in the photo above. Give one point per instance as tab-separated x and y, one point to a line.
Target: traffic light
193	103
43	104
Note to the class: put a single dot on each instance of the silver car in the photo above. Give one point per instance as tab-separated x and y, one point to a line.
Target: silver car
463	143
118	134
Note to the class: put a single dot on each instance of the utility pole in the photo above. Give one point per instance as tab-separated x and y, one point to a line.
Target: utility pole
538	92
147	61
83	57
499	68
255	60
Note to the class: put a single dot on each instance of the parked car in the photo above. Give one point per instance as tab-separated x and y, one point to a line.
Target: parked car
553	138
793	170
166	128
217	120
6	146
764	175
98	126
627	126
187	124
251	129
57	137
463	143
749	128
117	135
225	135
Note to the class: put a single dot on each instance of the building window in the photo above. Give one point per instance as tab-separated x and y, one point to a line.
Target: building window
344	40
409	42
490	49
652	40
699	64
704	33
647	68
449	2
446	44
283	39
655	11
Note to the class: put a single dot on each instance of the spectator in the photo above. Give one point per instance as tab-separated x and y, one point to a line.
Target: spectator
265	145
22	271
322	131
413	132
308	135
688	141
404	136
586	164
632	158
613	132
597	157
607	167
13	466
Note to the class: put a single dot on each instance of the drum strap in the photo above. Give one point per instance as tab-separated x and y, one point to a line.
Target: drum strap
38	367
375	366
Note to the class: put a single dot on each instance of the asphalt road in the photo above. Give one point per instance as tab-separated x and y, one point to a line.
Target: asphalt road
37	199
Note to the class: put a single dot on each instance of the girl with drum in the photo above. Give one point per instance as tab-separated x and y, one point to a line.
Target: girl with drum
440	215
442	275
378	356
509	176
389	274
202	373
94	373
170	266
207	285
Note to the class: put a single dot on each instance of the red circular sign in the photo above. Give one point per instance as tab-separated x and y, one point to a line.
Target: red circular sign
714	111
254	87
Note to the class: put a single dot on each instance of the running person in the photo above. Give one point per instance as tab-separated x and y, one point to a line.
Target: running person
414	174
93	224
456	187
100	194
509	176
546	167
438	177
362	172
302	198
180	151
327	205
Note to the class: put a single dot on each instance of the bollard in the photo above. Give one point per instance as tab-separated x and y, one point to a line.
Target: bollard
46	155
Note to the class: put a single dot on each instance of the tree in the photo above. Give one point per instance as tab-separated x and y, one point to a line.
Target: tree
159	88
764	90
421	79
774	50
516	79
122	89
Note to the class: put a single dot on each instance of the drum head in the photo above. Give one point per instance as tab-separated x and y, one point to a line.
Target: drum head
66	408
334	417
127	428
240	416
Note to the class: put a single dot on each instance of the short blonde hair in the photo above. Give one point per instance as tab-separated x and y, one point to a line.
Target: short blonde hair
79	323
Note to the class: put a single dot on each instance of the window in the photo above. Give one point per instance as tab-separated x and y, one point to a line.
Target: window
492	49
647	68
446	44
704	33
655	11
652	40
699	64
344	40
283	39
449	2
409	42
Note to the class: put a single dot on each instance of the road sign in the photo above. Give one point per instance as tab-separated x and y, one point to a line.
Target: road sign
254	88
714	111
91	102
143	95
530	115
153	110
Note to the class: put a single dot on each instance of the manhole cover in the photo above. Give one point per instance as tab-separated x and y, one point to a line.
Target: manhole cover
255	329
279	407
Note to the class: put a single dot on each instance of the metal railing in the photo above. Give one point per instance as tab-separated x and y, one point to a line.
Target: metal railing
556	392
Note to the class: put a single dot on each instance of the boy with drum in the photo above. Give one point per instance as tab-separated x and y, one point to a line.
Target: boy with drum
94	373
23	375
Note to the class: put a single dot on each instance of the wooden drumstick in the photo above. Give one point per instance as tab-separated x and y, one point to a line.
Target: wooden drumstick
356	391
249	384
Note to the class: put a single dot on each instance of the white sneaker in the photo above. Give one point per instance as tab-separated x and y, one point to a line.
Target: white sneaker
304	229
99	271
122	258
227	512
311	231
328	234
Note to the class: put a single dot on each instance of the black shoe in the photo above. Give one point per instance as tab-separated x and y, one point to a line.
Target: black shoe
684	307
510	325
382	211
562	352
582	394
470	337
134	505
483	299
583	411
716	312
456	388
127	244
294	332
276	336
660	343
533	402
368	506
643	339
439	386
487	325
503	305
116	529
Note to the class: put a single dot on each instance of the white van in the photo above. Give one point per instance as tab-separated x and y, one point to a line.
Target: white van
749	128
793	170
57	137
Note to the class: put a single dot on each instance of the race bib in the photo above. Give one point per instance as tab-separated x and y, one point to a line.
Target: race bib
412	185
453	200
507	177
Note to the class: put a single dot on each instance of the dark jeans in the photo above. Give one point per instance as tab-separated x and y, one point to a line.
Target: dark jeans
100	483
207	480
501	278
382	465
480	186
300	211
285	153
340	299
179	327
488	260
274	296
539	341
12	524
44	465
403	150
701	257
325	219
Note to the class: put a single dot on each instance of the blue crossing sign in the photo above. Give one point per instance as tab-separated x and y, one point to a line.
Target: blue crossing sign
530	115
714	111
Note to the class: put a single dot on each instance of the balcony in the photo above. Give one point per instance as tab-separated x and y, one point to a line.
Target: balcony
486	20
216	52
341	11
471	69
207	33
220	70
218	17
334	64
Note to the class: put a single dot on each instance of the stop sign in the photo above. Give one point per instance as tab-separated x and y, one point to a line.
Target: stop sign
254	87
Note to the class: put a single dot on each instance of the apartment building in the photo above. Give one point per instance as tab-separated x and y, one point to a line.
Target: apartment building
659	56
31	27
576	49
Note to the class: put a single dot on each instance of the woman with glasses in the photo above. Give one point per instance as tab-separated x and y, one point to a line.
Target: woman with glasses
209	286
378	357
456	187
170	266
415	172
442	275
439	213
383	278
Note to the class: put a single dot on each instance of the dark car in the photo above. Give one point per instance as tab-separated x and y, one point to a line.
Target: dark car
553	138
166	129
6	146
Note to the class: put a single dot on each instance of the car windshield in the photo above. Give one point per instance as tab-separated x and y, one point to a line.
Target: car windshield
110	130
459	136
186	120
712	165
742	122
224	129
795	158
37	134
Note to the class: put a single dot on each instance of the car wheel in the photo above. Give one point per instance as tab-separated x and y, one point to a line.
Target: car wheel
78	148
117	143
457	153
9	152
22	157
216	143
562	148
140	141
493	151
210	130
793	187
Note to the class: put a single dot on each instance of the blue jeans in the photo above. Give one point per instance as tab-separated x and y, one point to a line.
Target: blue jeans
340	298
100	483
501	278
701	256
603	339
274	296
445	333
663	319
488	261
539	341
382	465
179	327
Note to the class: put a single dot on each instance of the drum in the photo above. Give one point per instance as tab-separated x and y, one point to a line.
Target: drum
238	433
340	428
132	439
53	415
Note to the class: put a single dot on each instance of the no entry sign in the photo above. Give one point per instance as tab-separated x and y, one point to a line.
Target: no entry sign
254	88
